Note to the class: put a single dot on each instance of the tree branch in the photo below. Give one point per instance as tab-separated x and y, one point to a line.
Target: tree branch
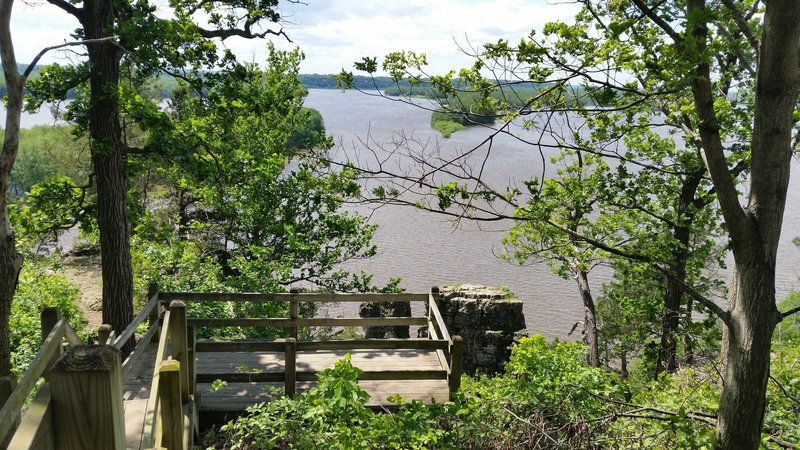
68	7
663	24
39	55
246	33
741	22
713	150
790	312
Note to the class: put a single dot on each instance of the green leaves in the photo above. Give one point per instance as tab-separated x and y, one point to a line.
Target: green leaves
244	180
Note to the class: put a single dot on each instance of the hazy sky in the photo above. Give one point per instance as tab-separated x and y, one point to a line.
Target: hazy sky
335	33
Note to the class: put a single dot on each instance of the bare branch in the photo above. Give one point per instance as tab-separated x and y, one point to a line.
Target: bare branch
39	55
245	32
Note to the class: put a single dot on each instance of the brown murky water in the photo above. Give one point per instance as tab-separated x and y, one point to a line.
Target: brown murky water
427	249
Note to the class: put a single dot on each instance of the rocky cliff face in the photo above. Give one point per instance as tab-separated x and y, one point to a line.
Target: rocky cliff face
488	319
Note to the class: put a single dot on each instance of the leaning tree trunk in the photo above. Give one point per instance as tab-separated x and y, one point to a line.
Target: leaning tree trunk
756	230
590	318
108	152
10	259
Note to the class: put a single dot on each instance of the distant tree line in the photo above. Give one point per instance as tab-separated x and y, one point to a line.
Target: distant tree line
166	84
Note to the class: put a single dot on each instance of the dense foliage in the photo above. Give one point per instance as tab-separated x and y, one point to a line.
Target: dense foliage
40	286
547	399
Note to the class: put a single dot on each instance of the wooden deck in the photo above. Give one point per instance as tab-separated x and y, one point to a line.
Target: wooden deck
235	397
166	381
239	395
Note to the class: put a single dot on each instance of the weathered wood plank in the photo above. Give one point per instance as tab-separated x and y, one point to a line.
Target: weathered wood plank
71	336
150	434
439	322
373	344
141	348
87	399
36	430
145	313
244	377
236	397
134	422
255	345
272	362
170	394
50	347
283	297
310	322
179	343
104	334
456	358
291	366
243	345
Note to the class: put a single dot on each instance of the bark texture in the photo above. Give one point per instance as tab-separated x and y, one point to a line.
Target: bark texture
754	230
10	259
589	319
108	155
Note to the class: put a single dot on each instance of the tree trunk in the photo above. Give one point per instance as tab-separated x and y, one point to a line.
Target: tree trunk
755	231
10	259
590	319
688	344
747	338
670	321
108	153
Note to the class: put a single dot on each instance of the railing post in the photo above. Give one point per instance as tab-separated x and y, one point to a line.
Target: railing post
291	366
179	343
192	357
294	309
170	391
49	317
86	389
456	356
103	333
433	297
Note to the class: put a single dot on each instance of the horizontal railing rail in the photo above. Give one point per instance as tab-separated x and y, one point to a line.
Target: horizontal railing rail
288	297
276	345
309	322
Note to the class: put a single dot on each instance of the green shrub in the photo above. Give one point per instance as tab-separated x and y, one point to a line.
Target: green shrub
333	414
548	398
39	287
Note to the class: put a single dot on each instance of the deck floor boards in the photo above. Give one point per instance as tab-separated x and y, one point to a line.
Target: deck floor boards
236	397
136	393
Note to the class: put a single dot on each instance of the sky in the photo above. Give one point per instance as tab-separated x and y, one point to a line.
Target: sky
335	33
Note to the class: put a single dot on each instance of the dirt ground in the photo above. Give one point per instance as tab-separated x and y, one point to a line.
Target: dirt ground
84	271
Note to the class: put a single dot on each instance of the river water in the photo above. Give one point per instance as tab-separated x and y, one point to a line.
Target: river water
427	249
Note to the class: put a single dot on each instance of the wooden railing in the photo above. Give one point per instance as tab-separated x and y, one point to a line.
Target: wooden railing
80	403
80	386
449	349
170	416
